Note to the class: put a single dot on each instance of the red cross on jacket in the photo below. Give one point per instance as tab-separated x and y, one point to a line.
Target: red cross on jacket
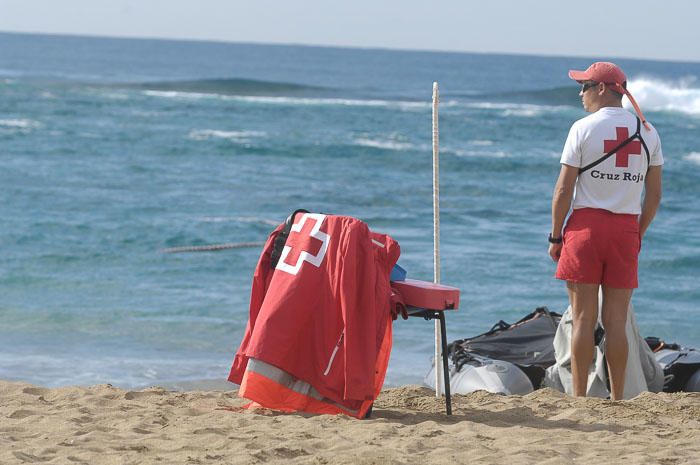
325	318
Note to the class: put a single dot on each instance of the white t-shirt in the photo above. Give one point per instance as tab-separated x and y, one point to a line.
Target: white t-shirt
617	183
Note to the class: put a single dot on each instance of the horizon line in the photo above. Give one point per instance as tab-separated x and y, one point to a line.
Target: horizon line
336	46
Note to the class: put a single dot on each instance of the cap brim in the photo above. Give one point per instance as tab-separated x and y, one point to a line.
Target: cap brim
578	75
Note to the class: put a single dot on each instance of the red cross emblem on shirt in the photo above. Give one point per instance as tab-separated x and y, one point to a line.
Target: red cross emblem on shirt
622	155
306	243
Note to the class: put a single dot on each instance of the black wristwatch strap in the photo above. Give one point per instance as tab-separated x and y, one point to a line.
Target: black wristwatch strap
554	240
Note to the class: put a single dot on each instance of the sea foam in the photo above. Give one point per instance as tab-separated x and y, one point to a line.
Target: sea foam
19	123
17	126
693	157
297	101
236	136
383	144
655	94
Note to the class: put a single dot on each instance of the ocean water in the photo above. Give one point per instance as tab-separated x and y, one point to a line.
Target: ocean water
112	150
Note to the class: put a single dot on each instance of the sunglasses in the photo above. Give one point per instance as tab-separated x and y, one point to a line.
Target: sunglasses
587	85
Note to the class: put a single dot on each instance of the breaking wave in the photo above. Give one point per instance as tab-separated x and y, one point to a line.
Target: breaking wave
658	95
297	101
652	94
401	105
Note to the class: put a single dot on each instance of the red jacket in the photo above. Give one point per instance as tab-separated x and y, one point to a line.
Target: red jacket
322	315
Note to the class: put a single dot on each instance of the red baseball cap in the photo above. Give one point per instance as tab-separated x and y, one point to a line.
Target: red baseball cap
602	71
611	75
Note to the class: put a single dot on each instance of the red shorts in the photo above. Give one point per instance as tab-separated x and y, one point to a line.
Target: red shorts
600	247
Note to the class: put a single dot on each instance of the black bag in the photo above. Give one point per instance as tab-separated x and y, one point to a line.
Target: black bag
679	366
528	344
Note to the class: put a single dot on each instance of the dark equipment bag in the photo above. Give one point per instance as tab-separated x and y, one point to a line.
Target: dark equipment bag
528	343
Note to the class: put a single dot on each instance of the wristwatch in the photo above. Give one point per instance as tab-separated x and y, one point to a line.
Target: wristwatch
554	240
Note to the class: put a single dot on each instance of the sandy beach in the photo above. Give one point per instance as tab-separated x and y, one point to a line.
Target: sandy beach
106	425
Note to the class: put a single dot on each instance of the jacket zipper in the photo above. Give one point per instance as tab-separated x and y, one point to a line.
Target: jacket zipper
335	352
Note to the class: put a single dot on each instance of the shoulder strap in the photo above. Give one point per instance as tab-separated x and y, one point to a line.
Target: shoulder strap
644	144
281	238
612	152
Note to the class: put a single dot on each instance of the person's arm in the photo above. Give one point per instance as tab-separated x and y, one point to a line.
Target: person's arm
652	198
561	203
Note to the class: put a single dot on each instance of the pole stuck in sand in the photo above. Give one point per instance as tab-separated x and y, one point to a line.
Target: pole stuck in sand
436	232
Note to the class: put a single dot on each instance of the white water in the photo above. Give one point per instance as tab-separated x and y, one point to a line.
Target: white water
693	157
19	123
385	144
237	136
657	95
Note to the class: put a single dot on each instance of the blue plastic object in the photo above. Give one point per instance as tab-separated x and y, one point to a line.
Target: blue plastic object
398	273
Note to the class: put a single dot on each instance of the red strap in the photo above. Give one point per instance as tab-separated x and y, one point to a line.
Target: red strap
634	104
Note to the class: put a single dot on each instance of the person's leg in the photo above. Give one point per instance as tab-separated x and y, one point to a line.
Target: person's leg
584	306
614	316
